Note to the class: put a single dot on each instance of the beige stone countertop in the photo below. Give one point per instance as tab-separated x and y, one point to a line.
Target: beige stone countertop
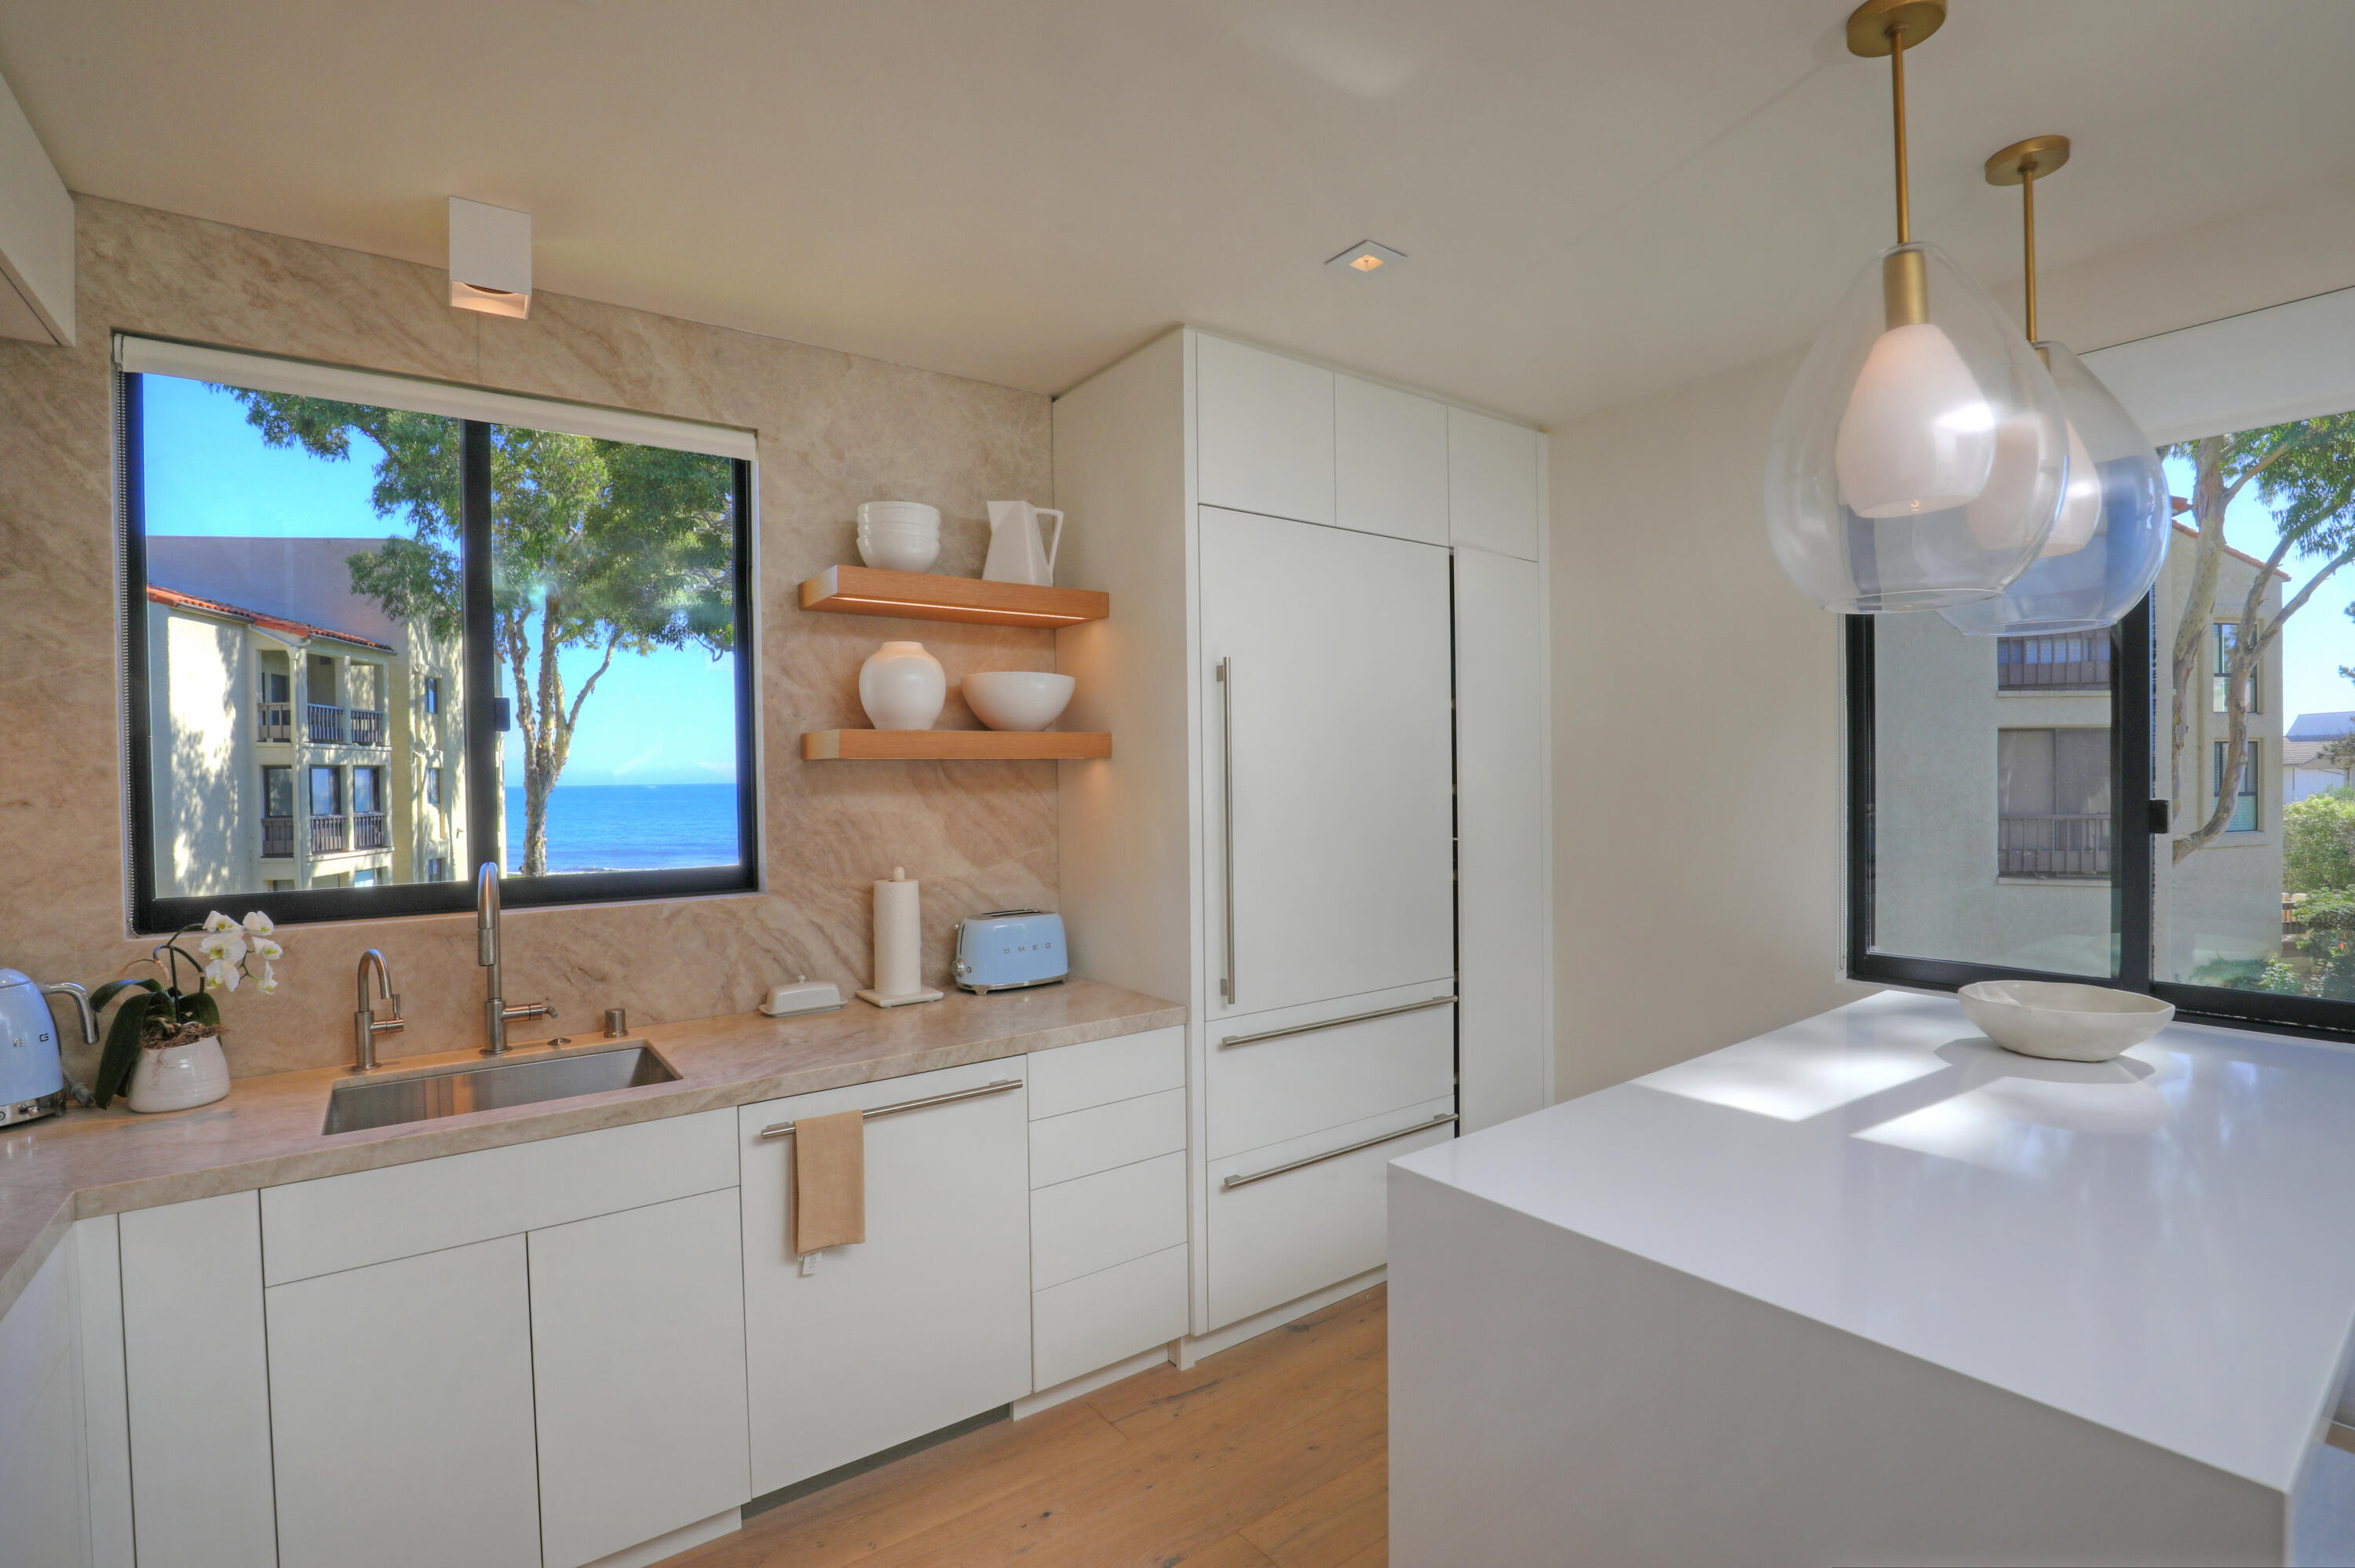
86	1163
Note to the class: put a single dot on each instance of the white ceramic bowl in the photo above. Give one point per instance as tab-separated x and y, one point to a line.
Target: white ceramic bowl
915	513
1017	699
898	549
2065	1022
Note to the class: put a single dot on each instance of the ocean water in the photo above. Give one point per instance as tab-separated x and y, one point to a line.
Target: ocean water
630	827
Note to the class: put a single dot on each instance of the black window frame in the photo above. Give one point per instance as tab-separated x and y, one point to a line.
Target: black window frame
2139	827
153	916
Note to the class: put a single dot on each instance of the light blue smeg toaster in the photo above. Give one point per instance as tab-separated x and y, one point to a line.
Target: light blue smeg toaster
1007	948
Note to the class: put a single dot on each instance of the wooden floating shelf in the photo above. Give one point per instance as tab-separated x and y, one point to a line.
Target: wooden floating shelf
952	745
928	595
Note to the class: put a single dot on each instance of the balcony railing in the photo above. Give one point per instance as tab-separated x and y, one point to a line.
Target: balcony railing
367	726
277	838
277	721
2053	846
2063	661
325	723
330	836
368	832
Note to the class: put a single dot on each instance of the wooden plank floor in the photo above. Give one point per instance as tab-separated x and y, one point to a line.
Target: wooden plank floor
1272	1453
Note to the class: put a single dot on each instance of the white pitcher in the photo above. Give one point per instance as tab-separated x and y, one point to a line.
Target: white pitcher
1015	555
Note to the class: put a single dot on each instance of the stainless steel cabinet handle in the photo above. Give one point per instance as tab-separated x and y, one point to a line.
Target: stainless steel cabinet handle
1334	1022
786	1128
1227	814
1440	1120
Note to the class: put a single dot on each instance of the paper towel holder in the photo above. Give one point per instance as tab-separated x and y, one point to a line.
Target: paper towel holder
899	936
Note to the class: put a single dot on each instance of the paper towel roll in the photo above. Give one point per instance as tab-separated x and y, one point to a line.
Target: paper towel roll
899	936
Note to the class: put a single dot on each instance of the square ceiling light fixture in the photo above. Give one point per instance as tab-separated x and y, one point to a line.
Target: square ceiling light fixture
1366	257
490	259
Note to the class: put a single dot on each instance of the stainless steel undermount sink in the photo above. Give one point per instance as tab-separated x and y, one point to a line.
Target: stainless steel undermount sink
453	1091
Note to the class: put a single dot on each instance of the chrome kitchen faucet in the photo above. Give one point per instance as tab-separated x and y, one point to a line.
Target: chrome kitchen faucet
496	1014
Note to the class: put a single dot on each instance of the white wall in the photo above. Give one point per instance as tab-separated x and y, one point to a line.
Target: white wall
1697	740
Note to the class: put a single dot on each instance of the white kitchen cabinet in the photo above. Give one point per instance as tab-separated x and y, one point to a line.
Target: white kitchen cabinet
1503	843
106	1405
1494	483
1102	1318
1100	1072
1080	1141
1265	431
1093	1222
637	1349
400	1398
1276	1237
1326	723
197	1372
44	1495
926	1322
1389	462
1282	1075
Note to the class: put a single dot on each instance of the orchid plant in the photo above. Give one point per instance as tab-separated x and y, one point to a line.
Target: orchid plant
158	1014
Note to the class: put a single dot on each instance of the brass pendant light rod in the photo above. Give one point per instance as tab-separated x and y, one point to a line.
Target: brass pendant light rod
1880	28
2023	164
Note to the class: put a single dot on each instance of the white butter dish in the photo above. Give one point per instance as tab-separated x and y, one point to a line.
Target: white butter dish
804	995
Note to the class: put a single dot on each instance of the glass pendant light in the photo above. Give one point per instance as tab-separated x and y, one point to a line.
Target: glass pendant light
1919	459
2111	538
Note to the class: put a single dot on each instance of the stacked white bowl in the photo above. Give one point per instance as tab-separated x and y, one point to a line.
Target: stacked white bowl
899	536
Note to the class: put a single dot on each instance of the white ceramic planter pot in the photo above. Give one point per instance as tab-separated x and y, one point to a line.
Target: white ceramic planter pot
173	1078
902	687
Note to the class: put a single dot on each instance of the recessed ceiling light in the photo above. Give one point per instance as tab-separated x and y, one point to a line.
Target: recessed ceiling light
1366	257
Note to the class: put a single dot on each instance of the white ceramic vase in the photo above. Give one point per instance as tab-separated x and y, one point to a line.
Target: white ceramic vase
902	687
173	1078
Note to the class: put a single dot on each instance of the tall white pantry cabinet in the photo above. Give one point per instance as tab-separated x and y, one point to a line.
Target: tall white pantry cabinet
1325	821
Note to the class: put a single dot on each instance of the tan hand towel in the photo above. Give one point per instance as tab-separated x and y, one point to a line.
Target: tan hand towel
829	1181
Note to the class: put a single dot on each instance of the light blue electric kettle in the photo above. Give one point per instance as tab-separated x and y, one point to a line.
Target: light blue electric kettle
32	1078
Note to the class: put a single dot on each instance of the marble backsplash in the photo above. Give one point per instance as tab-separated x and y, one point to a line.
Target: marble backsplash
835	430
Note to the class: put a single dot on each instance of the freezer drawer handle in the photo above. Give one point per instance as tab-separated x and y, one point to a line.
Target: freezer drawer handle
1440	1120
1334	1022
786	1128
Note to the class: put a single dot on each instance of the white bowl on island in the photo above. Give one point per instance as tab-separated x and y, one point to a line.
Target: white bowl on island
1017	699
2060	1022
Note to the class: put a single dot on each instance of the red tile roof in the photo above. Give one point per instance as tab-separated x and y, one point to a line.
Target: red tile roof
254	616
2190	533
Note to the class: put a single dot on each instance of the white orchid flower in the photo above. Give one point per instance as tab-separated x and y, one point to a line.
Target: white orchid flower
223	975
224	947
269	981
264	948
259	924
216	921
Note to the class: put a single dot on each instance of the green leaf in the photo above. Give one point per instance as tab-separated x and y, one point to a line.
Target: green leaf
113	988
202	1009
121	1056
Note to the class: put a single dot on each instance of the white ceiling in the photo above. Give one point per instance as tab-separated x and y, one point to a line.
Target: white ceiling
1599	197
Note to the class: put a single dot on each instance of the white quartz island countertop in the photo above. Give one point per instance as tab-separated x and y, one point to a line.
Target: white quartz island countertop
2163	1246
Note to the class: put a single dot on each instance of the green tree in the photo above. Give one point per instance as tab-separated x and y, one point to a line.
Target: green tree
595	544
2304	474
2318	833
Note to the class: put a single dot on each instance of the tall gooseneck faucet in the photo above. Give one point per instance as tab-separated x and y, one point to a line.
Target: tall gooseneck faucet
496	1014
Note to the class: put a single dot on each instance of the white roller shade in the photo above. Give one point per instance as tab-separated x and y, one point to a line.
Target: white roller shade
267	373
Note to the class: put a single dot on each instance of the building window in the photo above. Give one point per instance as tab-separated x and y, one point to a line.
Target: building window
2053	803
2226	631
277	813
2244	818
603	556
2078	661
436	870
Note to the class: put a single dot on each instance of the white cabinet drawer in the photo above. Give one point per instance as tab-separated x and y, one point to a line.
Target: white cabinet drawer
373	1216
1265	1090
1073	1078
1264	431
1108	1316
1081	1143
1078	1227
1275	1240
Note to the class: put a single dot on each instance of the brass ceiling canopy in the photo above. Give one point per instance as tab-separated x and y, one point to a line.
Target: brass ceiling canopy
2029	160
1875	27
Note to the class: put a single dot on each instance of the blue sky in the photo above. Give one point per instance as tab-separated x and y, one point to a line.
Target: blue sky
667	717
2320	637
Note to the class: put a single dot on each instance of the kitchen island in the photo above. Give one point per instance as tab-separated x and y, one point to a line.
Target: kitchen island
1871	1290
